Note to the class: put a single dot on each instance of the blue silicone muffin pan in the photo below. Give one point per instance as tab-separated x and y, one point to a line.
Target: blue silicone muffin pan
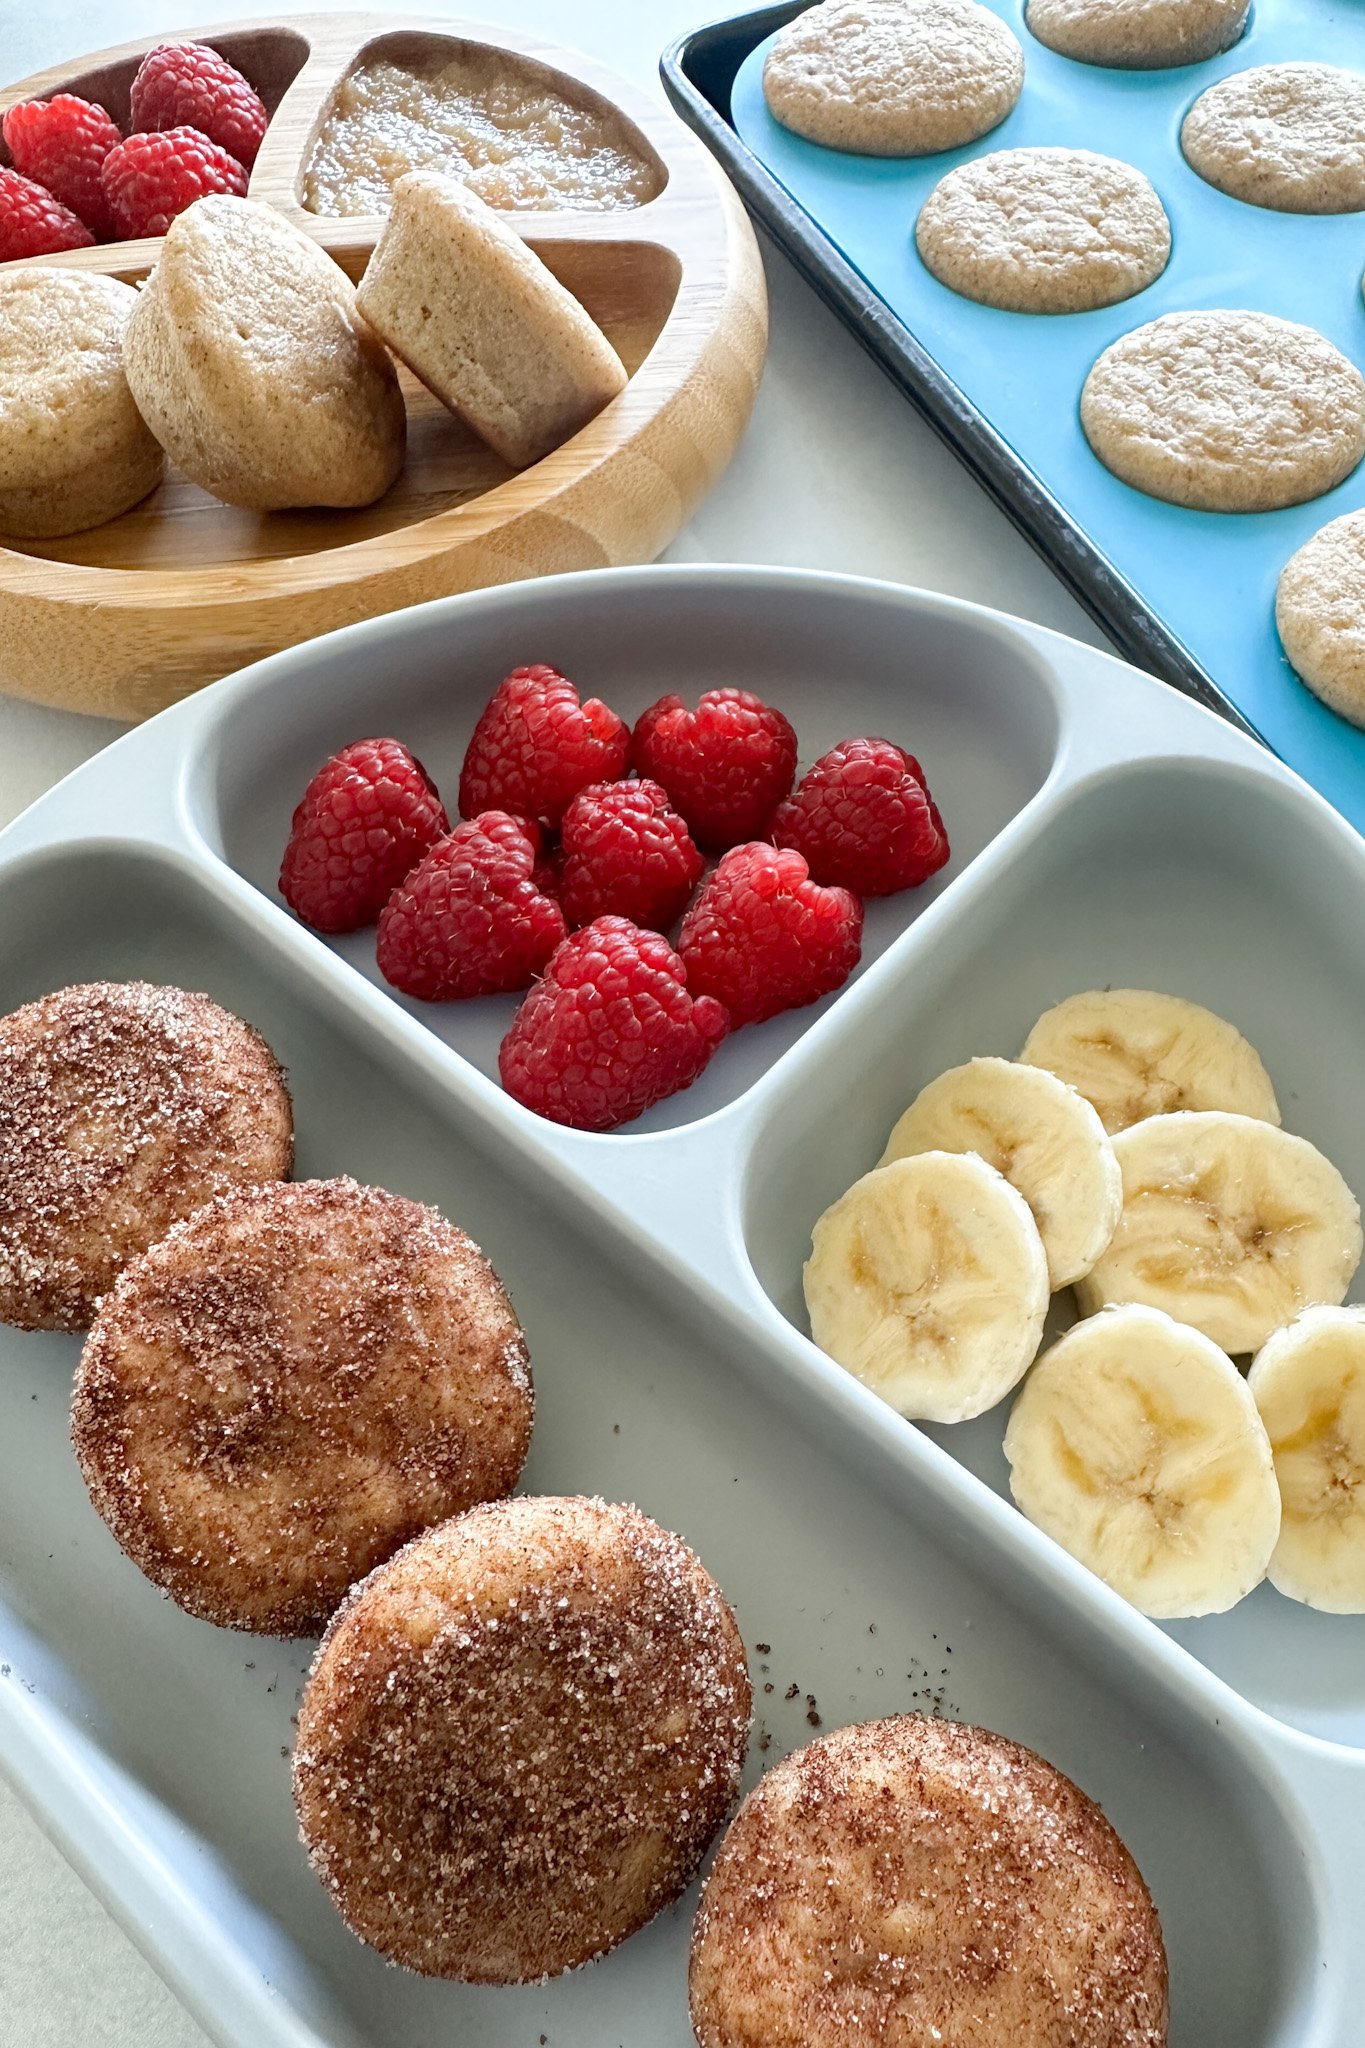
1187	594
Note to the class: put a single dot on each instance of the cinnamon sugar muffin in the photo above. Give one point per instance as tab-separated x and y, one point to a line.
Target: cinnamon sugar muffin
519	1737
123	1106
287	1387
909	1881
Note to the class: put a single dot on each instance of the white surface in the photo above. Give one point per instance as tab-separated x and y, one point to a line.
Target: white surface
836	472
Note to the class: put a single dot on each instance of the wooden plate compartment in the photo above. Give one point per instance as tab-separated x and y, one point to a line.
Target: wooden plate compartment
126	617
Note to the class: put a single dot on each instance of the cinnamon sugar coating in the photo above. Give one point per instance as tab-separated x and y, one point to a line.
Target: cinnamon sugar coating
911	1881
289	1386
123	1107
519	1737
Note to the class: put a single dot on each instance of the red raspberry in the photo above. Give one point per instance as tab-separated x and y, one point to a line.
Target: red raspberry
61	143
727	765
33	223
188	85
626	853
609	1030
762	937
864	819
149	179
366	819
536	746
469	919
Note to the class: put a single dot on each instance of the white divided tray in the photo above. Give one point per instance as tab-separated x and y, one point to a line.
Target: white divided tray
1104	830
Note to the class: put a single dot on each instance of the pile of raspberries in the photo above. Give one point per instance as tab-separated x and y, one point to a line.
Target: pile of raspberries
74	179
583	843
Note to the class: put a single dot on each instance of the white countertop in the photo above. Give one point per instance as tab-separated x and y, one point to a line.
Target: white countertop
836	472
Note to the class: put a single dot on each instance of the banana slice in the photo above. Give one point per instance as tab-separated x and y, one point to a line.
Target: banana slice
928	1280
1044	1137
1136	1054
1135	1443
1309	1384
1228	1224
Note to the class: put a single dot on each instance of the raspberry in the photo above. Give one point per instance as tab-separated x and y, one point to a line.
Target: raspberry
365	820
33	223
762	937
626	853
609	1030
149	179
726	766
536	746
61	143
188	85
864	819
469	919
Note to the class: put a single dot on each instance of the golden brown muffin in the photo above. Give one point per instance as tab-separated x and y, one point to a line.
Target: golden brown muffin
290	1385
123	1107
909	1881
519	1737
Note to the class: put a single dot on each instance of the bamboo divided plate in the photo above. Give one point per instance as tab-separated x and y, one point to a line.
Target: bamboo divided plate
126	617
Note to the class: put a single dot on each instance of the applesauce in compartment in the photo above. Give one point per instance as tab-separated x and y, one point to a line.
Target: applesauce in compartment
526	138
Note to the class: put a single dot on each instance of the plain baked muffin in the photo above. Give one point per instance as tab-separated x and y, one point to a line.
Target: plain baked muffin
1138	35
1290	137
250	364
909	1881
1226	411
1320	613
1044	230
477	316
74	450
288	1386
123	1107
893	77
519	1737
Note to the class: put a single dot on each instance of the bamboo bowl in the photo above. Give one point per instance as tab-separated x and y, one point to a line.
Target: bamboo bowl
126	617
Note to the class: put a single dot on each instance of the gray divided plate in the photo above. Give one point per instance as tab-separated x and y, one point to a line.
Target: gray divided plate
1104	830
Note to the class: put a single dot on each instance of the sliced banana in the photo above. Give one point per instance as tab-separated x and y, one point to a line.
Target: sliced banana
1135	1443
1135	1054
1229	1224
1044	1137
928	1280
1309	1384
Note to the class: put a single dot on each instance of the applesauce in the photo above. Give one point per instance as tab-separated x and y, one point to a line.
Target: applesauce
483	118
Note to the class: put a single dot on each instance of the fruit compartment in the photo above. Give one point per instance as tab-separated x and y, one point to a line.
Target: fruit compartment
270	59
937	681
155	1744
1197	878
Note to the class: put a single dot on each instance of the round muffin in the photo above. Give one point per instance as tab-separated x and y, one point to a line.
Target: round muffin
1044	231
893	77
1226	411
291	1384
74	450
1138	35
1290	137
1320	612
123	1107
911	1880
250	364
519	1737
